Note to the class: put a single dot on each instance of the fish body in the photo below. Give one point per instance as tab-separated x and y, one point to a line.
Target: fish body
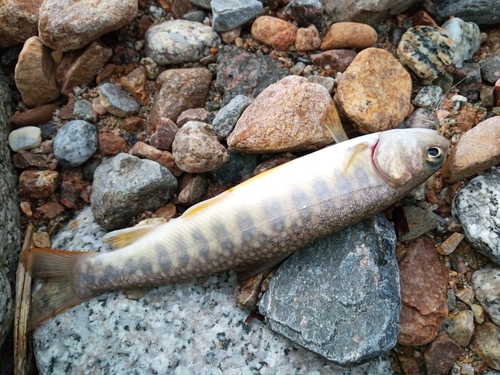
262	220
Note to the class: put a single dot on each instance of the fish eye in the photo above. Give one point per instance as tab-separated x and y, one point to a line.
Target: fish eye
434	154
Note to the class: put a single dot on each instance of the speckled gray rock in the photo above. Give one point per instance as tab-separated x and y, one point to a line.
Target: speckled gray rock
490	69
75	143
428	96
187	328
117	101
125	186
226	118
477	208
305	12
340	296
486	283
427	51
482	12
179	41
466	37
10	232
230	14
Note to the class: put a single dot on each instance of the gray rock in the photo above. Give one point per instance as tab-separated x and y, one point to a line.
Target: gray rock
83	110
125	186
428	96
490	69
228	116
419	222
75	143
192	327
327	82
305	12
486	284
195	16
230	14
340	296
117	101
482	12
477	209
466	36
10	232
239	167
179	41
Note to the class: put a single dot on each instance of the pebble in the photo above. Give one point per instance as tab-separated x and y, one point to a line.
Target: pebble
307	39
164	135
193	192
428	97
422	18
226	118
485	344
135	83
424	280
419	221
35	74
75	143
468	157
117	101
20	21
79	68
125	186
66	26
305	12
196	148
374	92
461	327
441	354
41	239
240	72
482	12
25	159
336	59
324	301
195	16
477	209
274	32
193	114
230	36
164	158
51	209
450	244
478	312
83	110
327	82
179	41
490	69
469	80
466	38
240	167
349	35
38	184
230	14
486	283
111	144
25	138
465	295
33	117
286	116
181	89
150	67
427	51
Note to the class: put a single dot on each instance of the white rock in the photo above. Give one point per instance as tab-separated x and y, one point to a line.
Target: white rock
466	38
25	138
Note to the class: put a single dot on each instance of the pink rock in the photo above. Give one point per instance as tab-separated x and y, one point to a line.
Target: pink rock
441	355
337	59
111	144
349	35
307	39
274	32
164	136
193	114
18	21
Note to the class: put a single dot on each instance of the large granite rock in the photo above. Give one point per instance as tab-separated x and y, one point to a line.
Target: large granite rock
186	328
339	297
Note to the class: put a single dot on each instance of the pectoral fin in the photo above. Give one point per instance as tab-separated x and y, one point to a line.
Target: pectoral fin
351	155
332	122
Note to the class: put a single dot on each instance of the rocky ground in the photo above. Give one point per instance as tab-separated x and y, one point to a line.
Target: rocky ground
164	103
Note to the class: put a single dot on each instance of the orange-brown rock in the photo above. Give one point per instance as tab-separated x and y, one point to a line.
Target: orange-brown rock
349	35
274	32
307	39
35	116
38	184
111	144
136	85
18	21
164	158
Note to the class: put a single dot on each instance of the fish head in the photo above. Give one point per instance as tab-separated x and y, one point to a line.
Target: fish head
414	154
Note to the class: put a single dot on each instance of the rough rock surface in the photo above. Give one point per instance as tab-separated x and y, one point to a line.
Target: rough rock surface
323	300
125	186
466	37
349	35
288	115
486	282
374	92
441	355
486	345
117	101
477	209
482	12
230	14
274	32
226	118
75	143
18	21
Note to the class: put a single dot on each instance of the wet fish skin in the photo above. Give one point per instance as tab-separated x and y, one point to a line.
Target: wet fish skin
265	218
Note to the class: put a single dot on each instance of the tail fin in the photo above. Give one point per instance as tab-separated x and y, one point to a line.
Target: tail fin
57	293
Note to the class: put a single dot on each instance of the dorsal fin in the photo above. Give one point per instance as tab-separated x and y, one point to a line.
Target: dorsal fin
332	122
351	155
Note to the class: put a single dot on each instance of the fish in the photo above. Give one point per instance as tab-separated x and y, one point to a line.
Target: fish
253	225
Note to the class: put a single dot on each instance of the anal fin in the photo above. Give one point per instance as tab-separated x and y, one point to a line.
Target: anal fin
136	294
250	271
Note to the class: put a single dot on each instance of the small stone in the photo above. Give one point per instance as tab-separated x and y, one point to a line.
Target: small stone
179	41
307	39
240	167
35	74
79	68
466	37
75	143
38	184
478	312
230	36
230	14
486	283
193	114
422	18
349	35
450	244
195	16
136	85
19	21
441	355
111	144
117	101
490	69
465	295
461	327
298	68
468	157
428	97
424	280
192	193
226	118
51	210
150	67
164	135
41	239
274	32
26	209
68	26
83	110
33	117
246	293
486	345
166	212
286	116
196	148
452	300
336	59
25	159
25	138
305	12
427	51
164	158
327	82
469	80
132	124
374	92
419	221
